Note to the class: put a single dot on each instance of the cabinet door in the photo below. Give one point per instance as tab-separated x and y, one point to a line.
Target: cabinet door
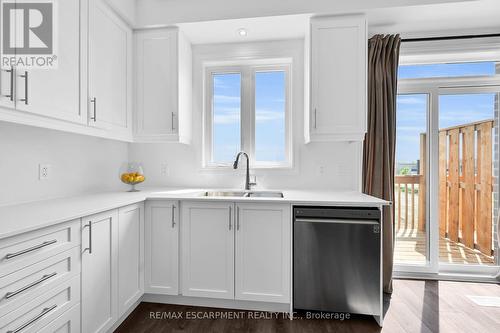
109	68
208	249
263	252
7	75
338	108
99	271
157	83
55	92
130	256
162	247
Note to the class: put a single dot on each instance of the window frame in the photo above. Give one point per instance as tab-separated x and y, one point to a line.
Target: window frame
247	70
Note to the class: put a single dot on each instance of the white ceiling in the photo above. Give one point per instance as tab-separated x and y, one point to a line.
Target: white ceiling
481	16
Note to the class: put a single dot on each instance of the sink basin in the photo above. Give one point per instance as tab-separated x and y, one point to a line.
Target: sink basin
246	194
224	194
264	194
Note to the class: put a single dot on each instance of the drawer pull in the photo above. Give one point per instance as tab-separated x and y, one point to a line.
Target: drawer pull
36	247
31	285
31	321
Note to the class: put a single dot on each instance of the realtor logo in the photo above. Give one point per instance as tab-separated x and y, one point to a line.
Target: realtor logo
28	34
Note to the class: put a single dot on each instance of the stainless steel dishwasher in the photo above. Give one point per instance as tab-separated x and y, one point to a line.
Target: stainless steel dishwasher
337	260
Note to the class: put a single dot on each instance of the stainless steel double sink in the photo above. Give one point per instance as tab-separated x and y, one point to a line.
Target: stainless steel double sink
244	194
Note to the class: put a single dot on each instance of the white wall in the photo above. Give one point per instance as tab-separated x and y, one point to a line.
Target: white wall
80	164
317	165
125	8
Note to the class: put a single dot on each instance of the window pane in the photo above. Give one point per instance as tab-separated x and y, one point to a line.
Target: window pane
447	70
270	116
410	179
226	140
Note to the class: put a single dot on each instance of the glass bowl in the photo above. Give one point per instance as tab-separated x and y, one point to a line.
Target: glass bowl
132	173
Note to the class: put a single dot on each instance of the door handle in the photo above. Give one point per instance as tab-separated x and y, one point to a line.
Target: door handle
94	102
315	118
11	294
89	225
173	128
31	321
230	213
11	94
237	218
26	79
173	216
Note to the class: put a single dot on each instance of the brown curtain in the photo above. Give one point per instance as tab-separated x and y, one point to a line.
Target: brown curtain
380	139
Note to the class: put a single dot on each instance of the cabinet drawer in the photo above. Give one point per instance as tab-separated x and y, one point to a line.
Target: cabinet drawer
28	283
68	322
36	314
26	249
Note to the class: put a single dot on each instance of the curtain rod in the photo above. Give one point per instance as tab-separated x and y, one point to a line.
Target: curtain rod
428	39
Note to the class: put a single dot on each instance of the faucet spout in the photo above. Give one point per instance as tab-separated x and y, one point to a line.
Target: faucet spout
248	184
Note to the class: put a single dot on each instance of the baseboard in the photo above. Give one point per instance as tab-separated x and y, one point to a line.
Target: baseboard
125	315
445	277
217	303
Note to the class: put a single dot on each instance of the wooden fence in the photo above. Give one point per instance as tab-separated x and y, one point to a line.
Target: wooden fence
465	187
466	184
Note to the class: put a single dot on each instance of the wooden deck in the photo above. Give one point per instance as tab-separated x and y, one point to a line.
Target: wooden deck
410	248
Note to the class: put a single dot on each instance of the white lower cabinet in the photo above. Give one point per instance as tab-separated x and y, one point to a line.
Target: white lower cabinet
130	256
236	251
68	322
162	247
208	249
99	271
262	257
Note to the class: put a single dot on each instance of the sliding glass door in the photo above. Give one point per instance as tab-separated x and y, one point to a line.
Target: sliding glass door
446	176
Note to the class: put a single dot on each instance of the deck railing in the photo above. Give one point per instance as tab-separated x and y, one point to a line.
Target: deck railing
465	187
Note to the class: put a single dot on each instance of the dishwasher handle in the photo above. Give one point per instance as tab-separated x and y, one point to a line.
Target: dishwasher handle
340	221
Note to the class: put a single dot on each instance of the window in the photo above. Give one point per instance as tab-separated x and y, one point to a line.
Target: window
485	68
248	110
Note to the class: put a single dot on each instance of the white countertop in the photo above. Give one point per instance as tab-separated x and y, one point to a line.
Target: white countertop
16	219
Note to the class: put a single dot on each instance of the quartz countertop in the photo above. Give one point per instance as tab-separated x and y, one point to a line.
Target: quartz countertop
20	218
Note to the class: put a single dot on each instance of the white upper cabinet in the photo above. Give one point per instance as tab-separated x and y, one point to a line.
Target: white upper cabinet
163	86
208	249
162	247
338	79
55	92
6	77
110	70
263	235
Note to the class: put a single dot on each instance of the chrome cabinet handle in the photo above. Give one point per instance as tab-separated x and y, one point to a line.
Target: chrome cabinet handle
94	102
237	218
173	128
89	225
26	78
36	247
173	216
230	213
29	286
31	321
315	118
11	94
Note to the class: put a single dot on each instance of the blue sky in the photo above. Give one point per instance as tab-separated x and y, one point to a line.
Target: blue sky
453	109
269	113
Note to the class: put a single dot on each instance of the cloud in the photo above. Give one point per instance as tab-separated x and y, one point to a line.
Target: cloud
226	99
262	115
227	116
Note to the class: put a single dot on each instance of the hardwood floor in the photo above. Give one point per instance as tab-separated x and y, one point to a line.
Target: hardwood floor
415	306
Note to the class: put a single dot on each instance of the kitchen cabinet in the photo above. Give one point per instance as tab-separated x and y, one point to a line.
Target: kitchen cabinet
49	92
338	57
130	256
55	92
163	86
99	271
162	247
109	70
208	249
262	252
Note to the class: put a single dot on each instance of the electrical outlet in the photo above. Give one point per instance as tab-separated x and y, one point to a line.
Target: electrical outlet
44	171
164	170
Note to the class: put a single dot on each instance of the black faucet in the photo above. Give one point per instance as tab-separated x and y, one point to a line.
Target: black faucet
248	185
